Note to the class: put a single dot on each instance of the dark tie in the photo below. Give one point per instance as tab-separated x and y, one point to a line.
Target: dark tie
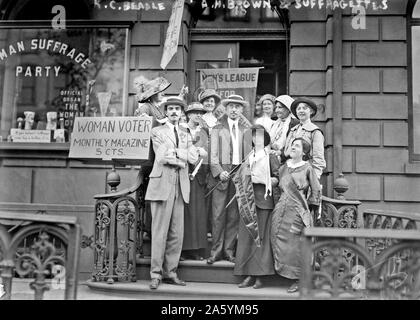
176	137
234	130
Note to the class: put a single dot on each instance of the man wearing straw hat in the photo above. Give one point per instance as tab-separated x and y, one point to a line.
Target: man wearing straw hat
168	190
226	152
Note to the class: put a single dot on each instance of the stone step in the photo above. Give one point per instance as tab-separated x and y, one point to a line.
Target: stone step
193	290
200	271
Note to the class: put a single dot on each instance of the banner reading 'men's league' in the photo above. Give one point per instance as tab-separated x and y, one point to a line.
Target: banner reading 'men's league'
228	81
110	138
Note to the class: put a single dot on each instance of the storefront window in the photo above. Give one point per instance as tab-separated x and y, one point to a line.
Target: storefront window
54	76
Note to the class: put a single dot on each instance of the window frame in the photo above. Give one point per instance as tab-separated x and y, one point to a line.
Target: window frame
411	22
32	149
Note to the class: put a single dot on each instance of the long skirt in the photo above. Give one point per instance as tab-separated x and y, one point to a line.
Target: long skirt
251	260
195	219
285	243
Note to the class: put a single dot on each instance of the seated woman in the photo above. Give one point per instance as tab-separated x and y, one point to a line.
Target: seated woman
252	261
297	178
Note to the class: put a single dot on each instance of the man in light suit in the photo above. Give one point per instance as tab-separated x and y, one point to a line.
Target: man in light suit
226	152
168	189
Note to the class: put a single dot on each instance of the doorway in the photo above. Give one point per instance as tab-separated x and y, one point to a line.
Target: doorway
269	55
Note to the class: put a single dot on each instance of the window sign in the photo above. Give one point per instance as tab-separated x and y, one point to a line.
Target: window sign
49	77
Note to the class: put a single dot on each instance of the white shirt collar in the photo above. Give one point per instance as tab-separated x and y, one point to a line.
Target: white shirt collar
295	165
172	126
231	122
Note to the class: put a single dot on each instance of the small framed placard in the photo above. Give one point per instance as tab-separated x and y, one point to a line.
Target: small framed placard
34	136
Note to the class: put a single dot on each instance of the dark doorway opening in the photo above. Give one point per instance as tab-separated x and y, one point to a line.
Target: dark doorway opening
271	56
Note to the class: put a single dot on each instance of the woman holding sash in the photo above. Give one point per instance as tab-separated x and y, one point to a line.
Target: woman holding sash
252	261
300	192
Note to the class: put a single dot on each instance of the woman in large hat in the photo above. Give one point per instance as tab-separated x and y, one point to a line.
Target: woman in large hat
305	109
210	100
148	98
252	261
267	104
149	95
195	213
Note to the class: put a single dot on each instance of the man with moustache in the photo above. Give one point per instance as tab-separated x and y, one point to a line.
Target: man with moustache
226	152
168	190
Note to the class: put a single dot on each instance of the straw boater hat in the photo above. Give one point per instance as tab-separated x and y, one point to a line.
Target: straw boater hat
147	88
310	103
207	94
173	101
196	107
266	97
285	100
235	99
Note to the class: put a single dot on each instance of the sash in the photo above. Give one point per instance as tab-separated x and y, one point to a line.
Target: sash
293	192
246	202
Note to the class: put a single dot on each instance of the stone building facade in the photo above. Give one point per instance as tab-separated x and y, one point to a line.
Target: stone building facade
361	77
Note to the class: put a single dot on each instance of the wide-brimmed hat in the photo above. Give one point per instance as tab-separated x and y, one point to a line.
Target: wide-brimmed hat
285	100
146	88
309	102
195	107
173	101
235	98
266	97
208	93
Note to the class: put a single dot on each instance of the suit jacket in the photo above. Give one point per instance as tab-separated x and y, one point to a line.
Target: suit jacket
163	175
221	150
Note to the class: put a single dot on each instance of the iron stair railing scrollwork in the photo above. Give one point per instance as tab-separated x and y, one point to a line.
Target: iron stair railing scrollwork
118	234
337	213
393	274
42	258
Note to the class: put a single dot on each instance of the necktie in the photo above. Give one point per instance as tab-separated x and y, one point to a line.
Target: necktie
234	130
176	137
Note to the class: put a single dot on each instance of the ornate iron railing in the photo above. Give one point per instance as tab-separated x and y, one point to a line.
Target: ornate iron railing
118	232
386	219
338	213
41	258
393	274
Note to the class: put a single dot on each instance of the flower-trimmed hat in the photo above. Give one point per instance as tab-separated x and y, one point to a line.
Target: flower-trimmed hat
207	93
195	107
266	97
309	102
285	100
173	101
146	88
235	98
